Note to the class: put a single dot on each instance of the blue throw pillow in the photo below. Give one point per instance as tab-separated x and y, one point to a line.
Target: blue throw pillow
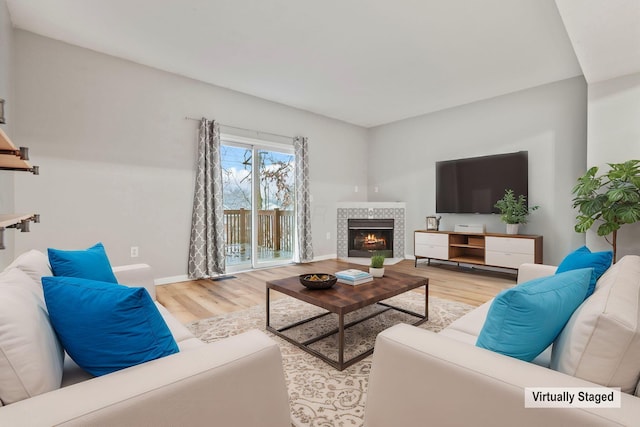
106	327
90	264
584	258
524	320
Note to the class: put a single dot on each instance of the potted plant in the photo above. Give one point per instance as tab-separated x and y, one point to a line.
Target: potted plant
513	211
376	268
612	198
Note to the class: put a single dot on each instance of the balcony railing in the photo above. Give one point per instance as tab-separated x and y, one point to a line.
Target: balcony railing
275	231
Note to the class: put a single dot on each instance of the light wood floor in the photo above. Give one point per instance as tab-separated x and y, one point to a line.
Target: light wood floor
200	299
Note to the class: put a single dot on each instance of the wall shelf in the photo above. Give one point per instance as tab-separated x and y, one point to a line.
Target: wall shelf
17	221
13	158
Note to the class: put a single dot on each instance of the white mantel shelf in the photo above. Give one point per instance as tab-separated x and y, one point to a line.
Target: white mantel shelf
368	205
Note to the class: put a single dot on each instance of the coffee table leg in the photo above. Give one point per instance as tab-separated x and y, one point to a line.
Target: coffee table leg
426	301
341	341
267	307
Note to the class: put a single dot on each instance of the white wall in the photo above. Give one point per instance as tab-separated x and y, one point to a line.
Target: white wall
6	93
117	156
614	137
548	121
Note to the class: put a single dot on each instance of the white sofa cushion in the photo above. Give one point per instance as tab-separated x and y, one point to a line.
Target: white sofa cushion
35	264
601	341
471	323
31	357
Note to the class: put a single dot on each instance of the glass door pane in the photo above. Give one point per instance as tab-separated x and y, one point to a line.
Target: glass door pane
274	202
237	178
258	198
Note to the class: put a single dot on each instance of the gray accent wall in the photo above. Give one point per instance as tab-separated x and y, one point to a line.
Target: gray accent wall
548	121
117	156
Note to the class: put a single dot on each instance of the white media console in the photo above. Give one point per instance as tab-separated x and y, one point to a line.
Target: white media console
490	249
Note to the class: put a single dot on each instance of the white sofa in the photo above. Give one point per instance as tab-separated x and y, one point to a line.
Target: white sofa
235	381
419	376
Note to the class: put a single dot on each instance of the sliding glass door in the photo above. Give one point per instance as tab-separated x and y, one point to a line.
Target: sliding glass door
258	183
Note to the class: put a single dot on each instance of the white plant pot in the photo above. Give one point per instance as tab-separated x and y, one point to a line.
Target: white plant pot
376	272
512	228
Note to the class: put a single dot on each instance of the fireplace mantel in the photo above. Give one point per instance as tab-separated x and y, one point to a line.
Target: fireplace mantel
371	205
370	210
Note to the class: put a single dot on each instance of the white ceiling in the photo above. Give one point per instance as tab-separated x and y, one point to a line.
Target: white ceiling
366	62
605	35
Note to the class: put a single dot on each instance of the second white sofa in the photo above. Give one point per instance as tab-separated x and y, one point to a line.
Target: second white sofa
418	375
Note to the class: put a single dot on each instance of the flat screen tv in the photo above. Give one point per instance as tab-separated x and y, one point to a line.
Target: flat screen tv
474	185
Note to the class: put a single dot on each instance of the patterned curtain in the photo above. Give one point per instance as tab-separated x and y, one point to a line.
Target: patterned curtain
303	202
207	244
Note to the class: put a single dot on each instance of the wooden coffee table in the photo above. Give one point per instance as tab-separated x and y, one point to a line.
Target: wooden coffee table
342	299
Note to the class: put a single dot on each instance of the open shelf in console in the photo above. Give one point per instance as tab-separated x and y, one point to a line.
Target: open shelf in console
466	248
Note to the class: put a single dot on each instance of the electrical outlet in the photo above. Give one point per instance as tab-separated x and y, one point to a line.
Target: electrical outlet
375	189
134	252
328	235
355	189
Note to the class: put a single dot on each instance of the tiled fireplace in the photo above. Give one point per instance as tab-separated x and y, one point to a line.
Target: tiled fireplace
367	227
368	236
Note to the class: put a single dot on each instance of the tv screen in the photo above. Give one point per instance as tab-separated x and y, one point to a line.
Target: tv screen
475	184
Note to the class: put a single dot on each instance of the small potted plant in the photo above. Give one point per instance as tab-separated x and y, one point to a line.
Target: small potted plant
513	211
376	268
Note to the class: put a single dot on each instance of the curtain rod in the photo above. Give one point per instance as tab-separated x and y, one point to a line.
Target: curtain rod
245	129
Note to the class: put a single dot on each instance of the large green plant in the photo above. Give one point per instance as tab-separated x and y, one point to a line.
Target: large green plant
514	210
612	198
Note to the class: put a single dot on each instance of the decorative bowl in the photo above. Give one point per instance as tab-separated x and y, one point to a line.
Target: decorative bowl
318	280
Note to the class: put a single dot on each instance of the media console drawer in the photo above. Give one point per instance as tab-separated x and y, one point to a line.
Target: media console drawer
431	245
510	245
433	239
507	259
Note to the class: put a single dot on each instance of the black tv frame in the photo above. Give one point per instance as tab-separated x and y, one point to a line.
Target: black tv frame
475	184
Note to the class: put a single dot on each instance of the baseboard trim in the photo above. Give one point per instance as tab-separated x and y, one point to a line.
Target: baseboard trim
325	257
172	279
184	277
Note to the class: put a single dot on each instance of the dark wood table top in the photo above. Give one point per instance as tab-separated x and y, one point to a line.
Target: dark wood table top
343	298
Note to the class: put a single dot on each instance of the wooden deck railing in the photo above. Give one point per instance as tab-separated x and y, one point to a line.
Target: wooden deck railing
275	229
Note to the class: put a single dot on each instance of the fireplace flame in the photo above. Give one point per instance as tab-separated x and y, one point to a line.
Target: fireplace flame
372	239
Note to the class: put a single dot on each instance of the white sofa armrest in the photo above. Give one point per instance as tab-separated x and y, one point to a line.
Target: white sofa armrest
420	377
237	381
138	275
528	271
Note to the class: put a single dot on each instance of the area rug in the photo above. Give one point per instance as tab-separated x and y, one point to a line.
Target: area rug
321	396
